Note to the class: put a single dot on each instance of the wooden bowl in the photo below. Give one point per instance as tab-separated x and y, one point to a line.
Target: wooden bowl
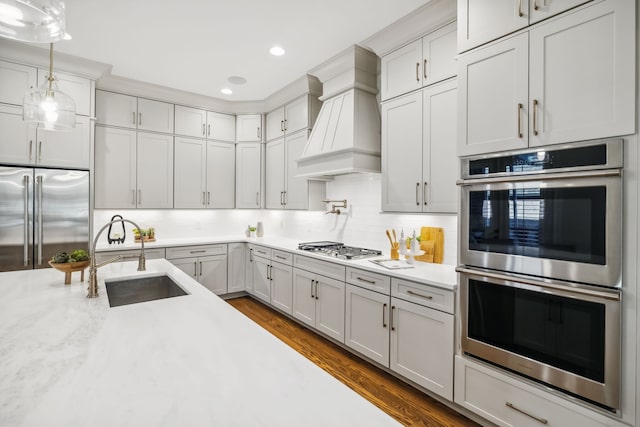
69	267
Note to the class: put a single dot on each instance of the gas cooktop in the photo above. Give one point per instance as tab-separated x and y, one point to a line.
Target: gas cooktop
338	250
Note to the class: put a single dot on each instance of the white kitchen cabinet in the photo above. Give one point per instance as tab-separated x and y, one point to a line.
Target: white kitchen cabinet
505	401
221	127
318	301
114	109
483	21
248	175
565	80
281	277
221	160
236	265
248	272
249	128
133	169
207	264
297	115
190	121
421	63
261	278
275	173
419	151
367	323
422	346
15	80
23	144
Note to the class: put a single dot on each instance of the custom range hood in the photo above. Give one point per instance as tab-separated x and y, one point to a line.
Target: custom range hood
346	136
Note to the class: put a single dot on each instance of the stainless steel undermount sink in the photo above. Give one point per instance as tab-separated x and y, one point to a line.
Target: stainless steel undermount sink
141	289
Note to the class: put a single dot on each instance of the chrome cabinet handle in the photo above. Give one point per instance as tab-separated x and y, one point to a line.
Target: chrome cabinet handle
25	180
538	419
366	280
384	312
208	197
281	257
133	117
424	69
258	133
417	194
393	328
312	295
195	270
410	292
535	5
139	196
424	193
281	125
39	151
203	199
139	119
133	197
250	254
519	116
286	122
535	117
200	268
520	8
203	133
317	297
30	149
257	198
208	130
198	251
271	272
417	71
285	197
40	225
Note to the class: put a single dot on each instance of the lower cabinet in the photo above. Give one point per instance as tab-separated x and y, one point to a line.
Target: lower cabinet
236	267
281	278
261	281
206	264
248	269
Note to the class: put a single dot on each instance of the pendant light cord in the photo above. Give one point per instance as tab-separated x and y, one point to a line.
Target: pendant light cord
50	65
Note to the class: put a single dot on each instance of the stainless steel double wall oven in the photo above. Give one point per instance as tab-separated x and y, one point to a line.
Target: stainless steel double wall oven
540	280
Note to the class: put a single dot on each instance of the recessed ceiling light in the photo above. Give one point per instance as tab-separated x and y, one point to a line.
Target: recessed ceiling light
237	80
226	91
276	51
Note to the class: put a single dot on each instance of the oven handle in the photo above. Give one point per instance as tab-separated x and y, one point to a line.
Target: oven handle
540	176
613	295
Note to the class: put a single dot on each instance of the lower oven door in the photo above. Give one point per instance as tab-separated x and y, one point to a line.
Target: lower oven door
565	336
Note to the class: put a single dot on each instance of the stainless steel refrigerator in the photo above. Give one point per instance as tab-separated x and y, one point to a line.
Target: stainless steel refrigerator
42	212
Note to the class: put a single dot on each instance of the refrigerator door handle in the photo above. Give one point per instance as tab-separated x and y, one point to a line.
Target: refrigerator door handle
25	180
39	216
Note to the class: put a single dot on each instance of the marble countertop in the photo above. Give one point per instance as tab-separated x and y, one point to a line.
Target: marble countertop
192	360
439	275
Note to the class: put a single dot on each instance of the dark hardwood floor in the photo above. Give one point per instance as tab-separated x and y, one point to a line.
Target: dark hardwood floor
401	401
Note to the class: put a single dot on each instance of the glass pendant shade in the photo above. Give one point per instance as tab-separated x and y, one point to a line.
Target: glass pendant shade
38	21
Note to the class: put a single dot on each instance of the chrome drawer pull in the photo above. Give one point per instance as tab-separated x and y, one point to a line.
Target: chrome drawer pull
365	280
384	311
538	419
429	297
281	257
197	252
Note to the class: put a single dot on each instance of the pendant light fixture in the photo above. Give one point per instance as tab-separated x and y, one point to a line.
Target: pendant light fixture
38	21
47	106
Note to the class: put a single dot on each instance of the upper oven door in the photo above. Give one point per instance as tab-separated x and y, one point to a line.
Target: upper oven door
565	226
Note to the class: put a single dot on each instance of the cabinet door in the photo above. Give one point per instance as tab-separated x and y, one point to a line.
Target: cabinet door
248	173
155	116
221	174
154	170
439	139
249	128
114	109
78	88
422	346
66	149
330	307
221	127
296	194
402	154
213	273
188	265
190	121
261	282
115	168
190	174
275	124
18	142
15	80
367	323
248	272
275	174
481	21
236	267
439	55
543	9
296	115
304	299
401	70
281	286
492	97
581	75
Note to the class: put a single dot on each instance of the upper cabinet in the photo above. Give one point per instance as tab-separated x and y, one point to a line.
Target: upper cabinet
205	124
221	127
249	128
567	79
248	175
421	63
114	109
297	115
482	21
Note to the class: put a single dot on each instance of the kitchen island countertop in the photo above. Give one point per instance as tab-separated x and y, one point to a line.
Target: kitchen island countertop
191	360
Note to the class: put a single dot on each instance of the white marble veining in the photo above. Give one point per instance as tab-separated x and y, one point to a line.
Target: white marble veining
193	360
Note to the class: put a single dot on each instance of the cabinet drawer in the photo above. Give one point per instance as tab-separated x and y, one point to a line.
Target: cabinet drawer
129	255
425	295
366	279
196	251
324	268
262	251
505	401
281	256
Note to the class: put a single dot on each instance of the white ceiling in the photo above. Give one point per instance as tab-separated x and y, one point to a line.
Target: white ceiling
195	45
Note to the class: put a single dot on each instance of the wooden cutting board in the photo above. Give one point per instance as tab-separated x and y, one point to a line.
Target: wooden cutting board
432	242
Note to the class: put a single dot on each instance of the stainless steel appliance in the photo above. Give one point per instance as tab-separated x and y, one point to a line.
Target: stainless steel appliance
554	213
338	250
42	212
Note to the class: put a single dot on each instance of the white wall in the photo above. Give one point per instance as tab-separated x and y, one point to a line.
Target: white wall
362	225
